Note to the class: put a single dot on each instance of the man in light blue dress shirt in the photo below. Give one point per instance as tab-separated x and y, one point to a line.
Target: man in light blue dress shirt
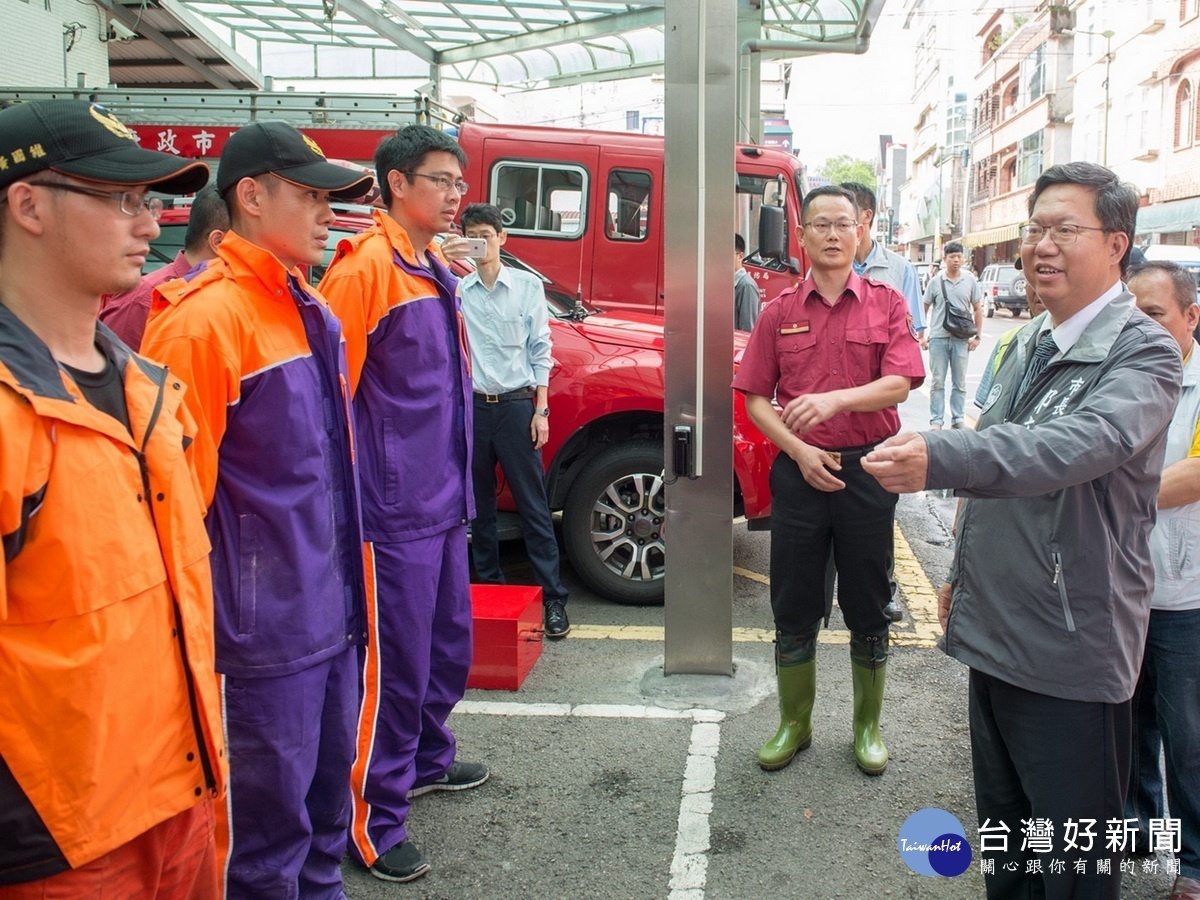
508	329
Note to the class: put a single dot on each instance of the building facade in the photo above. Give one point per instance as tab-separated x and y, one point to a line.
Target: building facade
932	198
1021	120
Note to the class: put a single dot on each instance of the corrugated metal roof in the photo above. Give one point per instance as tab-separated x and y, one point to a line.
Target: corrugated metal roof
497	42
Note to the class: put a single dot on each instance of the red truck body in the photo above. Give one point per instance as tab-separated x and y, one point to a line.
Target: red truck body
585	208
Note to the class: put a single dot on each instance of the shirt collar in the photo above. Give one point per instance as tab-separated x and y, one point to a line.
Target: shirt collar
247	260
1067	333
399	239
473	279
853	285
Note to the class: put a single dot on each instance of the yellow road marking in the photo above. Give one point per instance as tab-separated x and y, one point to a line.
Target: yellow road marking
751	575
920	598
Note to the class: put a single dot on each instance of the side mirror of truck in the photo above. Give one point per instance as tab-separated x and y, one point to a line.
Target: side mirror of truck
772	233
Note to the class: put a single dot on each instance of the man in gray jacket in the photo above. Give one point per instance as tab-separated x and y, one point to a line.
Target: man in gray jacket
1048	597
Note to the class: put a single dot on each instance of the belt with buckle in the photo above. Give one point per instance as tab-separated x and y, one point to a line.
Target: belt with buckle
850	454
519	394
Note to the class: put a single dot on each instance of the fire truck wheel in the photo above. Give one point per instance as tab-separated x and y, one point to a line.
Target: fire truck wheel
613	524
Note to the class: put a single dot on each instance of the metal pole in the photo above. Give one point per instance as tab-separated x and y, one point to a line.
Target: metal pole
701	111
1108	36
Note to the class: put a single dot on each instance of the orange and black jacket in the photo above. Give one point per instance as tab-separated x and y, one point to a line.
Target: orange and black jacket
109	716
266	366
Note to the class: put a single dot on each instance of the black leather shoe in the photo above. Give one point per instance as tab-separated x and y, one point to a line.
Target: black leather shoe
557	624
892	611
403	862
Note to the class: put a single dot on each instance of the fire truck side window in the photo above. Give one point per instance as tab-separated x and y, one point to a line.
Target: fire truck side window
545	199
628	205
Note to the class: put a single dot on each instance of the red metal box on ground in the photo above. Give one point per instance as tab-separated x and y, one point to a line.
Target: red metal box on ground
507	623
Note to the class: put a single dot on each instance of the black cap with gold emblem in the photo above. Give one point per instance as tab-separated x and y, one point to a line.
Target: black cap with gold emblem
88	142
280	149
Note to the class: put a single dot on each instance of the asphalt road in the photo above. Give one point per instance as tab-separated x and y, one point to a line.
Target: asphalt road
610	780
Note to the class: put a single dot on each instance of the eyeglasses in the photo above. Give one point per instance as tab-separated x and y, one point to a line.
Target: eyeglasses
129	202
443	183
1064	235
843	226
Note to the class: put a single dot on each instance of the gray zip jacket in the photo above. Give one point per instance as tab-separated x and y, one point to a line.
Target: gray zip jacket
1052	570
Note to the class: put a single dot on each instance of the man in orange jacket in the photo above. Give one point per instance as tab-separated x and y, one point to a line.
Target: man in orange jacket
275	462
110	735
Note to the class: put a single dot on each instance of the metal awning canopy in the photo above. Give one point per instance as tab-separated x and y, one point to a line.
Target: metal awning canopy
510	43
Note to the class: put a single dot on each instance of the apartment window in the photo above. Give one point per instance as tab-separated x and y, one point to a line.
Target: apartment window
990	45
1188	9
1195	111
1033	76
1029	159
1183	115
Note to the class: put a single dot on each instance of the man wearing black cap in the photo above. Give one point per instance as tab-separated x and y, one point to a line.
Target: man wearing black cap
265	358
111	750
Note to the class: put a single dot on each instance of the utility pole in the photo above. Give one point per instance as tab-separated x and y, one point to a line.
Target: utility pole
1108	35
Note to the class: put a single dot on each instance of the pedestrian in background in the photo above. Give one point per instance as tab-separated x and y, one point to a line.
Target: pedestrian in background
873	260
410	373
126	312
747	301
1166	704
838	383
264	357
508	330
1063	473
111	753
952	285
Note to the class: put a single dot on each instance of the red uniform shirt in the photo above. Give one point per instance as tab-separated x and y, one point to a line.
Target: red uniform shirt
803	345
126	313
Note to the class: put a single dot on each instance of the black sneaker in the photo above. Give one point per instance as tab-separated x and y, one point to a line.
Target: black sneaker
557	624
892	611
403	862
459	777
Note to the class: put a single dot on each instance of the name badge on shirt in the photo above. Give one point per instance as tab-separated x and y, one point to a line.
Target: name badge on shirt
794	327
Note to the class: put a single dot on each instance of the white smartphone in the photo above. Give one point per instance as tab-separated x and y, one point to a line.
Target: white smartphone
477	248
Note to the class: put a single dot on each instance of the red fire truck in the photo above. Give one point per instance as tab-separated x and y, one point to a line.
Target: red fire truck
583	207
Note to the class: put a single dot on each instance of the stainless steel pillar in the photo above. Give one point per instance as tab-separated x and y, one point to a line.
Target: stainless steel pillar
701	111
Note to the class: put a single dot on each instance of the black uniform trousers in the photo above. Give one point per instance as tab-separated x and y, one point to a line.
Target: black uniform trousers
502	435
857	521
1041	757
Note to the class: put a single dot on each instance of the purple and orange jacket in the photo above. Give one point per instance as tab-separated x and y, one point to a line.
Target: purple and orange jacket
274	451
410	372
109	717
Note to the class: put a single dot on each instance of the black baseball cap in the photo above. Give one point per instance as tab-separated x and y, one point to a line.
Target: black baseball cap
86	141
280	149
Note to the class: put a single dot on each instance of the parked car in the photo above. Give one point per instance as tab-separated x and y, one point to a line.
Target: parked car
1003	287
604	459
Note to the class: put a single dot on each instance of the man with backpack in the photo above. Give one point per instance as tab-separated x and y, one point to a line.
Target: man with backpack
951	290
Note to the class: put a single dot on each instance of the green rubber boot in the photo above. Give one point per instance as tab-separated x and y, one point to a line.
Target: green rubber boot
868	668
796	672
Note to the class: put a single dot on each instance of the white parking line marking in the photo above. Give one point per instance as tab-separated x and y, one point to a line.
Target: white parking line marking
689	865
